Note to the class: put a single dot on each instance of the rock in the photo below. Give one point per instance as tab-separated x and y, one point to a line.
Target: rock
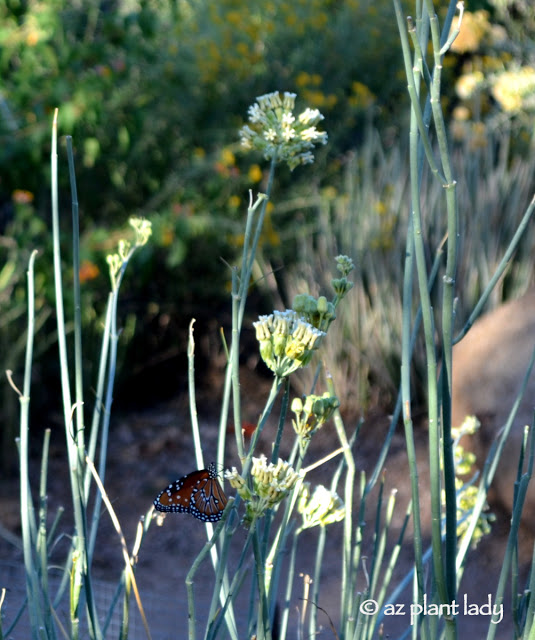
489	365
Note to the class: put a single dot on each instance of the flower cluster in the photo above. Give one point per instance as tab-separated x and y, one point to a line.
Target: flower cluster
271	484
287	342
321	508
317	312
514	90
469	84
467	492
116	261
313	413
278	134
142	229
342	285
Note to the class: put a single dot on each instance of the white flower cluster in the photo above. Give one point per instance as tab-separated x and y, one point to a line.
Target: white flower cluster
271	483
278	134
322	507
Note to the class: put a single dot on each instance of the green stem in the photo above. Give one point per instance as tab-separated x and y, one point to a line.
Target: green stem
26	503
263	626
42	546
78	372
99	395
447	314
235	368
316	581
191	575
347	568
289	586
223	589
500	269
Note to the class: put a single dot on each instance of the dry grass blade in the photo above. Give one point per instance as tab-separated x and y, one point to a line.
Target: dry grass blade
126	555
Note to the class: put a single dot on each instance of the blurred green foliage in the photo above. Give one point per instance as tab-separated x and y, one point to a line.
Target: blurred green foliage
153	93
150	91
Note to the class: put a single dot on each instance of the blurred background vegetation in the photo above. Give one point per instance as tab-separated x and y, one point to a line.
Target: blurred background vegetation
153	92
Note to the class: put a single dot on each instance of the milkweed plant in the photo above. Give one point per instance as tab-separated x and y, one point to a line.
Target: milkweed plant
272	498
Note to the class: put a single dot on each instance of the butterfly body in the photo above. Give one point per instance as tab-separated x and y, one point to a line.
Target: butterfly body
198	493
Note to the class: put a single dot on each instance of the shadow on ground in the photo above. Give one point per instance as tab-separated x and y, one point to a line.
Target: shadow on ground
152	447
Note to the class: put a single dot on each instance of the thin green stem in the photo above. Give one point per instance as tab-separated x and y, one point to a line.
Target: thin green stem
222	591
79	570
191	575
347	569
242	569
263	626
235	367
500	269
289	587
99	395
282	420
42	546
26	502
406	333
78	372
447	317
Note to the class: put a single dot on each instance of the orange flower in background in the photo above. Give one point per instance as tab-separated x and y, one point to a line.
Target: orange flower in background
88	271
248	429
167	237
22	197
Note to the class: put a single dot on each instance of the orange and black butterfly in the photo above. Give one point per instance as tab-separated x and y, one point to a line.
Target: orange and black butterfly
198	493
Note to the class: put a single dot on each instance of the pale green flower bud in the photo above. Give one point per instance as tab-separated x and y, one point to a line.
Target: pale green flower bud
266	352
341	286
323	305
262	328
238	483
313	413
344	264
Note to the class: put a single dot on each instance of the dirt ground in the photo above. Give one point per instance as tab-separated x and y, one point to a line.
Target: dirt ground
152	447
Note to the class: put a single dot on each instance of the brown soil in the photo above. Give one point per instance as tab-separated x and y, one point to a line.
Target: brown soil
152	447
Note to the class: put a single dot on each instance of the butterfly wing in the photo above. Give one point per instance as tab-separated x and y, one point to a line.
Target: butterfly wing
208	502
199	493
177	497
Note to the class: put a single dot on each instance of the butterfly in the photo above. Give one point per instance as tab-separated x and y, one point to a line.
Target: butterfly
198	493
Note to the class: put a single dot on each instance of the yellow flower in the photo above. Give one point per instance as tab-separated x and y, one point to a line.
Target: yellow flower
303	79
234	202
329	193
255	173
515	90
228	158
32	38
474	27
361	96
468	84
461	114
